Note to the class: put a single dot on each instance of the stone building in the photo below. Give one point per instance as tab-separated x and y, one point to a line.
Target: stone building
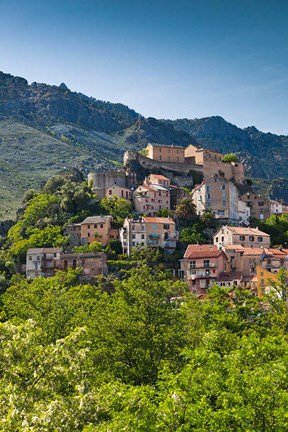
165	153
259	206
92	263
220	195
211	161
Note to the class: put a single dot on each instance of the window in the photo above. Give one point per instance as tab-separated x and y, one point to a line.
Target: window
133	227
242	238
260	239
65	263
223	187
88	226
166	226
38	258
110	192
216	239
142	227
30	258
133	236
88	234
206	263
142	236
95	225
101	226
192	264
251	238
262	282
261	203
74	264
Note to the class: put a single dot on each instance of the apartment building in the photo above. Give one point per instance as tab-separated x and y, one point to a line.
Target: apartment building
157	232
220	195
201	267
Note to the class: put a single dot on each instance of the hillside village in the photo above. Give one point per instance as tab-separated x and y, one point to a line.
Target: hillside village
165	186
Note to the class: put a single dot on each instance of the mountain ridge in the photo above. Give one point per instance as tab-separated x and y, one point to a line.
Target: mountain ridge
60	129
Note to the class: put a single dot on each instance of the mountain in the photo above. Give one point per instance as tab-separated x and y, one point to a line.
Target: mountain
45	129
264	154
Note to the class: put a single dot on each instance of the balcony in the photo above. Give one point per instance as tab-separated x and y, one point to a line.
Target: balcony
200	274
203	266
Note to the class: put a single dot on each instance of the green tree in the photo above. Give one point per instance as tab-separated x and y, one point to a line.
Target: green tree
230	157
118	208
186	210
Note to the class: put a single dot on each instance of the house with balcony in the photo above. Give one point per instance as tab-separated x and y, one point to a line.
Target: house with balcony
42	262
155	232
133	234
201	267
161	233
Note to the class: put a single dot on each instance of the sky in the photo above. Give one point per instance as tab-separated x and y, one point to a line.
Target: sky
163	58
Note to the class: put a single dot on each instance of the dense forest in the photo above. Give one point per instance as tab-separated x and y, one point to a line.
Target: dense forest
133	351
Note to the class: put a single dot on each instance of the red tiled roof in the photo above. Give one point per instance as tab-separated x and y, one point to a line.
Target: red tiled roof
202	251
253	251
160	177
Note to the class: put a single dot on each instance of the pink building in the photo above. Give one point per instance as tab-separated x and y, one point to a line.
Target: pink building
202	265
150	199
119	191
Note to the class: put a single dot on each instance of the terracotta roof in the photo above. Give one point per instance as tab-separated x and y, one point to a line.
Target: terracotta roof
252	251
96	219
202	251
160	177
233	247
247	231
281	253
226	277
161	220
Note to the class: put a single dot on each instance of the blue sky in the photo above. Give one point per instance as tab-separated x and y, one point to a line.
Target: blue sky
163	58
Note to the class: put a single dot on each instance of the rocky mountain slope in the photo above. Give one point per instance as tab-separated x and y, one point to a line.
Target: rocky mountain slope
45	129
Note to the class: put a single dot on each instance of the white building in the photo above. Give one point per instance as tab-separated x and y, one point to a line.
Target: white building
42	262
276	207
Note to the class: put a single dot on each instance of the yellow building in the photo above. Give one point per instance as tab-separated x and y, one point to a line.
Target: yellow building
264	278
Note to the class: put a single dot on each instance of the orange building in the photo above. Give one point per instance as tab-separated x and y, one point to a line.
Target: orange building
98	228
202	265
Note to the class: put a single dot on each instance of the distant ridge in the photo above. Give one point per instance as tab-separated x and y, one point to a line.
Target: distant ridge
45	129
